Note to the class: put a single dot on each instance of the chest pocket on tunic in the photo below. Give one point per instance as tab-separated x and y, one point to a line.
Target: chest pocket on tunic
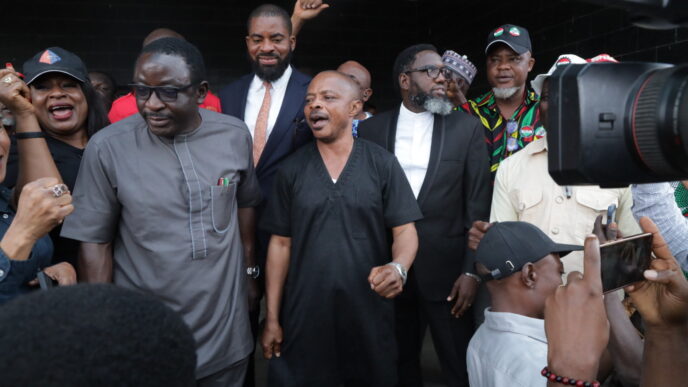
593	202
221	206
528	204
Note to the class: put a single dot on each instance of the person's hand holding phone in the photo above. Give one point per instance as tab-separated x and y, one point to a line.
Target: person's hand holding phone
662	299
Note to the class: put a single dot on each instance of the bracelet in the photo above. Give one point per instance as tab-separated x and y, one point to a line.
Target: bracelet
475	277
400	269
26	135
564	380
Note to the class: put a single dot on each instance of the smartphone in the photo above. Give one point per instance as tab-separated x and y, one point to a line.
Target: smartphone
625	260
45	281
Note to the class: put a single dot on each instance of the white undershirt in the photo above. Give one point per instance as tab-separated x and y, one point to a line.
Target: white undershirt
412	146
254	101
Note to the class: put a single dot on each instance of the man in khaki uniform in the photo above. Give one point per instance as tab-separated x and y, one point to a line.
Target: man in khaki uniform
525	191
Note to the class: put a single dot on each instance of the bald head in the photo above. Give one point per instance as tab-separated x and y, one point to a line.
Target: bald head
357	72
360	74
344	84
160	33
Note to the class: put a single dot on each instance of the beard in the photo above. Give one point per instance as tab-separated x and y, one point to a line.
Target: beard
270	73
504	92
434	105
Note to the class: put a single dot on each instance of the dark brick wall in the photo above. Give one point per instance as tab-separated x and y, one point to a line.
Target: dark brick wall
108	34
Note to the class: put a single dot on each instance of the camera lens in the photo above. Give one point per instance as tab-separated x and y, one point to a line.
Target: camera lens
659	121
613	124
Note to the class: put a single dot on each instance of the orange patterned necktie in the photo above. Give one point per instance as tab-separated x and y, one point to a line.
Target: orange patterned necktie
260	131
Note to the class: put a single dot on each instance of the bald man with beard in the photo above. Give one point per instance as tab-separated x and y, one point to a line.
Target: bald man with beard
331	276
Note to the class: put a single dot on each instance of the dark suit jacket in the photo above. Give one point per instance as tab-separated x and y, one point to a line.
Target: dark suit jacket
289	133
456	191
290	130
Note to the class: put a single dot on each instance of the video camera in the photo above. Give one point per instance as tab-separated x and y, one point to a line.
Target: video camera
613	124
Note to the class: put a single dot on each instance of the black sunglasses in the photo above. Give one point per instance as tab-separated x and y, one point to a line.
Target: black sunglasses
434	72
164	93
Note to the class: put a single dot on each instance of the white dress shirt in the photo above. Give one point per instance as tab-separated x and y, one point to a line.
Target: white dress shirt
412	145
507	350
254	100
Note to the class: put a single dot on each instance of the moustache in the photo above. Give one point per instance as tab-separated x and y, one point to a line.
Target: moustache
156	116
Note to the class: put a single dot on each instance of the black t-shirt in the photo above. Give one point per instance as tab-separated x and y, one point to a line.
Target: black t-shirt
67	159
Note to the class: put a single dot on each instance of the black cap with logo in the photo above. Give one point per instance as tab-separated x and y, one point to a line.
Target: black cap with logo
54	59
508	246
513	36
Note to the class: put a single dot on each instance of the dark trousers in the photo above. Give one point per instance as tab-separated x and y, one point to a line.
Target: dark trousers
250	380
262	241
450	337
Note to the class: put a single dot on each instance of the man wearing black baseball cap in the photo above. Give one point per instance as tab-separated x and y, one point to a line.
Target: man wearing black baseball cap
508	111
521	267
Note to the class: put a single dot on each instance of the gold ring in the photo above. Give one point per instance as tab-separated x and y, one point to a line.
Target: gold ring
7	79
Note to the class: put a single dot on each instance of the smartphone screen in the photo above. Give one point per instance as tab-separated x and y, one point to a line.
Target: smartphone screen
625	260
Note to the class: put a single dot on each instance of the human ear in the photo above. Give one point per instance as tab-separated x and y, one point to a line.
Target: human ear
531	63
202	92
404	81
367	93
528	275
356	107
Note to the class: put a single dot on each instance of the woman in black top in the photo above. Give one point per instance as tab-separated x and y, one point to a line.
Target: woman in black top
69	112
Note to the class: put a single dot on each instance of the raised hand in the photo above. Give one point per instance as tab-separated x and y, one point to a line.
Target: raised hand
308	9
14	93
575	320
43	204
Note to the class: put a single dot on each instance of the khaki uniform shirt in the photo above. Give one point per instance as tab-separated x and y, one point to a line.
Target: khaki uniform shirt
525	191
174	230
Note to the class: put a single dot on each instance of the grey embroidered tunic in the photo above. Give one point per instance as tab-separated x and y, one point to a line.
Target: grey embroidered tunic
174	230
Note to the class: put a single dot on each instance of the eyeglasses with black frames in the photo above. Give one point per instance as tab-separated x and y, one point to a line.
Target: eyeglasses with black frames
164	93
434	72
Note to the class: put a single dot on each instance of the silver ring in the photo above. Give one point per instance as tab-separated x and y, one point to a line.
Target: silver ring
59	190
8	79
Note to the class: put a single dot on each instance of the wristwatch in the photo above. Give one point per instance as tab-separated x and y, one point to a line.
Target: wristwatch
253	271
401	270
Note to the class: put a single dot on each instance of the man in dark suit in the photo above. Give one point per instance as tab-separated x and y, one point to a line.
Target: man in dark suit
270	101
442	152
